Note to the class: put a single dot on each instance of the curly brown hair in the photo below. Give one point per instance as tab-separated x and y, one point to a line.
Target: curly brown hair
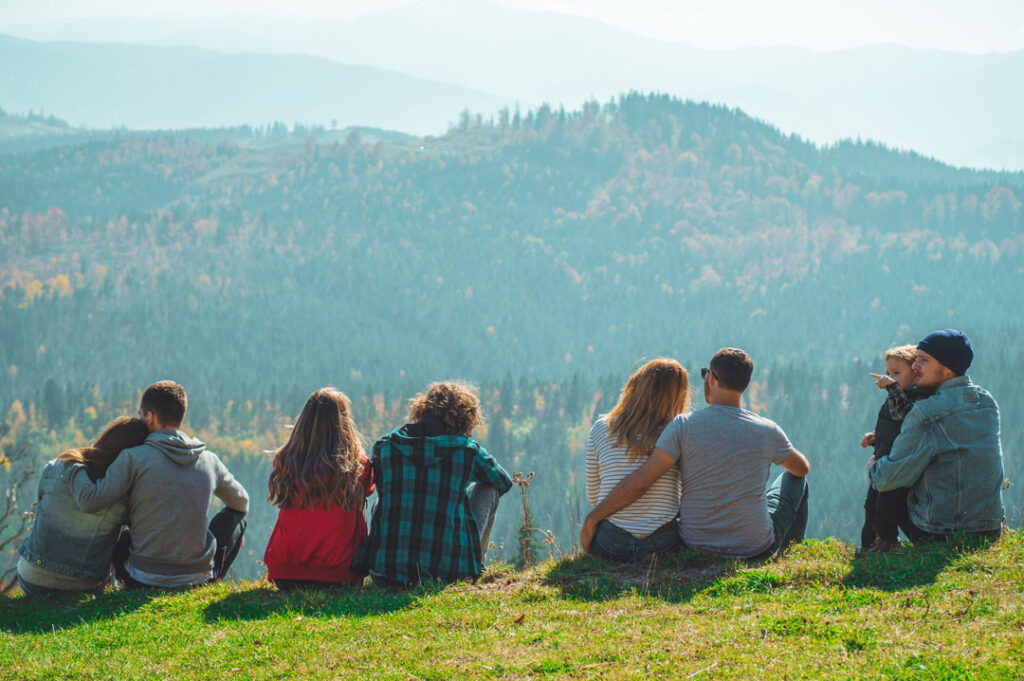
453	403
905	352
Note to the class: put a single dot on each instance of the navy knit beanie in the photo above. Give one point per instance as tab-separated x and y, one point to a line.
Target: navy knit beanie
951	347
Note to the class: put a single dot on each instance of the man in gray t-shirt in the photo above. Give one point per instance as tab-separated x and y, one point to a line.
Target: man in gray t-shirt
724	454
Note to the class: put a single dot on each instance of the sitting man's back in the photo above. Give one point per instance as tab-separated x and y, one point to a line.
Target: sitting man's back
169	481
724	455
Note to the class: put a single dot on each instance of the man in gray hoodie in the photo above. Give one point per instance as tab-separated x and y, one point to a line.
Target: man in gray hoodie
169	481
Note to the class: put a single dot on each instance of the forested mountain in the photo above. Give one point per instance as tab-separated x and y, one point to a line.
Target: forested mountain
540	255
962	108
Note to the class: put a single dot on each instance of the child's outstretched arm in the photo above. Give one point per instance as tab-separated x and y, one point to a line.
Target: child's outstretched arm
899	402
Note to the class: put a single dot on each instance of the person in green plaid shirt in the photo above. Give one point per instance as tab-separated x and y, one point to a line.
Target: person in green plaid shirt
437	492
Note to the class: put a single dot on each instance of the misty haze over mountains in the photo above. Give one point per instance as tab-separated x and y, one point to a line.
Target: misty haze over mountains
442	56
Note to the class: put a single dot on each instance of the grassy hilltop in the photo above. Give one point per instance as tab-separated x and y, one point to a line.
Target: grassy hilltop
930	612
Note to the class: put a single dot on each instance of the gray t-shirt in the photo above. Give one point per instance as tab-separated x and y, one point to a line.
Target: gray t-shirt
724	456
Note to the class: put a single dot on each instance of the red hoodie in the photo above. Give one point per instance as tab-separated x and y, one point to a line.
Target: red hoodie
316	544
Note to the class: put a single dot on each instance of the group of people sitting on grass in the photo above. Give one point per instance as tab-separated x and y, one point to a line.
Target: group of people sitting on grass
662	478
133	507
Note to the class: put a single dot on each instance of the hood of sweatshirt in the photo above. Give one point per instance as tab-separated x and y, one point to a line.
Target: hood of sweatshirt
426	443
179	447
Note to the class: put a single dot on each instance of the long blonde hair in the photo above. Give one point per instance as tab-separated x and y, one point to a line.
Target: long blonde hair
321	463
652	396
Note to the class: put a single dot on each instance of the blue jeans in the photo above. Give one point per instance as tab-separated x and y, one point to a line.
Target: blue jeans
615	544
787	506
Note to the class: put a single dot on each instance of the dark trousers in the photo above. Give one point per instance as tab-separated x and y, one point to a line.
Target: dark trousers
227	528
885	514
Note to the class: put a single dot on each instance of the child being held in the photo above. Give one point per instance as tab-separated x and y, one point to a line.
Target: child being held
883	510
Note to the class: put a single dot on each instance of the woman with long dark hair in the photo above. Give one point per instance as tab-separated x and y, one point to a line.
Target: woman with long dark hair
320	482
68	549
619	443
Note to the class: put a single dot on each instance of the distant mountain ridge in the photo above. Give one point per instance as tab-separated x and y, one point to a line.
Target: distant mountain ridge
113	85
964	109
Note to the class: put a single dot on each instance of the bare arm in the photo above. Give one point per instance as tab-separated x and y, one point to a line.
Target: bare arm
796	463
626	492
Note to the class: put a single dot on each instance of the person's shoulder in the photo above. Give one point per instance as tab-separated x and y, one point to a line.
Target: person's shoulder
740	417
759	419
983	395
138	456
210	456
600	426
953	395
56	468
772	428
382	442
688	417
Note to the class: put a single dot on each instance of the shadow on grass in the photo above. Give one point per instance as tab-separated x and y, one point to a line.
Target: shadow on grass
674	579
35	614
915	565
343	601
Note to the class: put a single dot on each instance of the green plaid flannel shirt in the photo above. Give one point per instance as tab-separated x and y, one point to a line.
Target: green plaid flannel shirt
422	528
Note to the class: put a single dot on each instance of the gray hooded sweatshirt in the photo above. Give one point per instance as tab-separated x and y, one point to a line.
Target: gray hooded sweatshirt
168	481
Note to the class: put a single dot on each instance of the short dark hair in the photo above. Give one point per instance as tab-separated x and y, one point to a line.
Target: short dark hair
732	368
167	400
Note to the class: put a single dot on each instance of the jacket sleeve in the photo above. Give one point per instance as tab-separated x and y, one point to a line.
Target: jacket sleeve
229	490
911	453
489	471
94	496
593	471
899	402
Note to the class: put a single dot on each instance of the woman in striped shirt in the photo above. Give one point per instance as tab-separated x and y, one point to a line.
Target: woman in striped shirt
619	443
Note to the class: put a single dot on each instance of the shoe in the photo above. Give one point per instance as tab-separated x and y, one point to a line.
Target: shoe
883	546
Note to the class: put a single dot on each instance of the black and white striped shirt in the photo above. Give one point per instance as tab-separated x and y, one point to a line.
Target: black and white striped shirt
607	465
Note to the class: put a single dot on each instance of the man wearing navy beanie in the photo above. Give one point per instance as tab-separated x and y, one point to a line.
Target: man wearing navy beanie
948	451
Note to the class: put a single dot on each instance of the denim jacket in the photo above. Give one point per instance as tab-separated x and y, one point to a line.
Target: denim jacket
950	456
64	539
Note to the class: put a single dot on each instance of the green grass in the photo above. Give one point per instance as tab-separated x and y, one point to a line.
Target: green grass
823	611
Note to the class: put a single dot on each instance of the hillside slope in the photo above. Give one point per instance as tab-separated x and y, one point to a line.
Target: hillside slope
930	612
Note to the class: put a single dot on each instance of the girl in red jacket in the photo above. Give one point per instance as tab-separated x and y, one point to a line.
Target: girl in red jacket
320	481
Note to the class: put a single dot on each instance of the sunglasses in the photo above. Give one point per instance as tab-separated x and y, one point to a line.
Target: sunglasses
704	373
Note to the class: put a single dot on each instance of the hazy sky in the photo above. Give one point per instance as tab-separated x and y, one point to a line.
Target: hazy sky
976	26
